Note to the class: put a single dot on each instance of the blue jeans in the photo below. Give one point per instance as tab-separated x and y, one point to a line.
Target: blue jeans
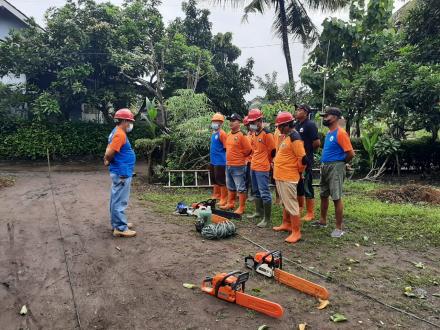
260	186
236	178
120	193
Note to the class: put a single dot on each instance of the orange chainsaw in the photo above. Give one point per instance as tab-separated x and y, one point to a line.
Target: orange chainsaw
230	287
270	264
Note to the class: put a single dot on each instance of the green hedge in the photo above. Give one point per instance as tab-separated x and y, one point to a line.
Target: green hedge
419	155
20	140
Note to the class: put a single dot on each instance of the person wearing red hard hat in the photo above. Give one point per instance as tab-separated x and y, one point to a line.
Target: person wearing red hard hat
217	156
263	147
289	163
120	158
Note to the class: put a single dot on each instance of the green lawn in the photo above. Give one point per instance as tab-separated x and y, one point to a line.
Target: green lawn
367	218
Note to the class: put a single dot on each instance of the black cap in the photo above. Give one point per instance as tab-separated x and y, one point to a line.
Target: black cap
331	111
234	116
305	107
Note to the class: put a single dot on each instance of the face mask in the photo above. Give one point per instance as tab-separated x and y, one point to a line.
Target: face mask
326	122
129	128
253	127
215	126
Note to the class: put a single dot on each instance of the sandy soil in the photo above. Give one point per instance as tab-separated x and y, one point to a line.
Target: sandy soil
140	285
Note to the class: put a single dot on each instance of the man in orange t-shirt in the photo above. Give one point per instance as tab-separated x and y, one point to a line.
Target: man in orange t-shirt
263	151
289	163
238	150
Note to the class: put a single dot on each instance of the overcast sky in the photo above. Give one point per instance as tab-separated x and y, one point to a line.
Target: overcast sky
255	38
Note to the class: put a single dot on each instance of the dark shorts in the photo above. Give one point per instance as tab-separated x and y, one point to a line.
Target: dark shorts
305	184
332	178
217	173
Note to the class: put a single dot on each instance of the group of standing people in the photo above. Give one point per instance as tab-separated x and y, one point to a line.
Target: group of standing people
239	161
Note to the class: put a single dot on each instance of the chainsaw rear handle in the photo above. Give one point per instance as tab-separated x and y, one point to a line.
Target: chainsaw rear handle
223	281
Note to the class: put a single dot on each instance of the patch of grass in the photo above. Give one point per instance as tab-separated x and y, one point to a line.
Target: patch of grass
6	181
365	215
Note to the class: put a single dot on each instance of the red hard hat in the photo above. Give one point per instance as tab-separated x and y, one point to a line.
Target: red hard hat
254	114
283	117
124	114
246	121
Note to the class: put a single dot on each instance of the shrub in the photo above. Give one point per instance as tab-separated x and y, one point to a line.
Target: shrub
20	140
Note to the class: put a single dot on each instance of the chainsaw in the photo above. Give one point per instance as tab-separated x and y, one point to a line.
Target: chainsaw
230	287
270	264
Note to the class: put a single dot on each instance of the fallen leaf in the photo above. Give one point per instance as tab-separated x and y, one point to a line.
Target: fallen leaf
365	238
370	254
436	294
408	292
118	248
23	310
357	244
353	261
420	293
338	317
419	265
399	238
189	285
263	327
323	304
349	269
302	326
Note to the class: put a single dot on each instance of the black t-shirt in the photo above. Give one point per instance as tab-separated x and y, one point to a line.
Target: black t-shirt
309	133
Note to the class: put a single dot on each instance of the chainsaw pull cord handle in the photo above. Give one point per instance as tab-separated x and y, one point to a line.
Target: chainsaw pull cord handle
223	281
207	279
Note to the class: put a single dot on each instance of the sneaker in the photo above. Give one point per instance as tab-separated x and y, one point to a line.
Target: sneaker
337	233
318	224
125	233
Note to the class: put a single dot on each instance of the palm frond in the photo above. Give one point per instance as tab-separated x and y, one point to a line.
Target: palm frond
327	4
299	23
256	6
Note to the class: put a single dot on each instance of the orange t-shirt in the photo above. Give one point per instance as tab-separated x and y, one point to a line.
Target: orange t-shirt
119	139
262	146
238	149
288	160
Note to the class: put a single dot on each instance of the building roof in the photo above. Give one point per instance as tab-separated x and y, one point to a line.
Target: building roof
14	11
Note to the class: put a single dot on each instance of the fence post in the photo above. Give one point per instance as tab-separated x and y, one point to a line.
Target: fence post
183	179
196	179
169	179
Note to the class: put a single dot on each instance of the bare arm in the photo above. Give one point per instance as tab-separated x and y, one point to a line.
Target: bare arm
350	156
316	144
108	156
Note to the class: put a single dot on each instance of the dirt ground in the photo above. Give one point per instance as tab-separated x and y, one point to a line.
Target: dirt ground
139	285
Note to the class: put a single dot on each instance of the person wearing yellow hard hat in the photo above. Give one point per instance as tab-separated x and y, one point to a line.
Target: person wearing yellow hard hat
217	156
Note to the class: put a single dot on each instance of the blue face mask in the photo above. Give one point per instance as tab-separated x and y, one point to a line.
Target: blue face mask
215	126
253	127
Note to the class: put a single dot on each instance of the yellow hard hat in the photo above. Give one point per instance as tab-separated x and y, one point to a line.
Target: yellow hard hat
218	117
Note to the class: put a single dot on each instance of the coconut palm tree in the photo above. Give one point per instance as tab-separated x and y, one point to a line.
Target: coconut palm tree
291	18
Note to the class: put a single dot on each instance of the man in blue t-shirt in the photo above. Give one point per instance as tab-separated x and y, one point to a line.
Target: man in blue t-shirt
120	158
217	159
309	134
336	153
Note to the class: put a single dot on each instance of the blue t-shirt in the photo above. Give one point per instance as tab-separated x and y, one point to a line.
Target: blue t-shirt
123	162
217	151
336	145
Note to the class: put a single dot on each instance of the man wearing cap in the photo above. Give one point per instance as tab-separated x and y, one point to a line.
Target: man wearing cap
309	134
336	153
263	151
238	149
217	154
120	158
288	165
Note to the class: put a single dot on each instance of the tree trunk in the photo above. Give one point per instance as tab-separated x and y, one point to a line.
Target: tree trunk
285	40
348	126
358	128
